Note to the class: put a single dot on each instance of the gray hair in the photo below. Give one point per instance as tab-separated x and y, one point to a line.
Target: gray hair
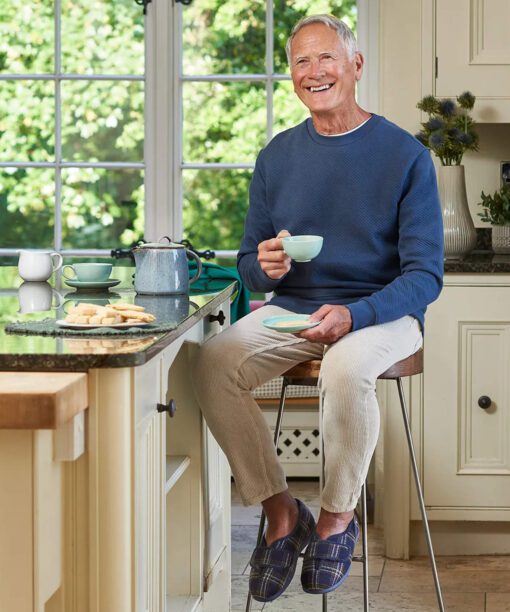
344	32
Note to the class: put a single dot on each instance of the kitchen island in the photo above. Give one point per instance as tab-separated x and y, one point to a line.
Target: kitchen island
123	506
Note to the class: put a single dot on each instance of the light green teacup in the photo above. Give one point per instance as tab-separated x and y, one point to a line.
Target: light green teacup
302	248
89	272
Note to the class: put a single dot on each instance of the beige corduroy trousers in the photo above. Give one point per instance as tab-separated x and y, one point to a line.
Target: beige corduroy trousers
233	363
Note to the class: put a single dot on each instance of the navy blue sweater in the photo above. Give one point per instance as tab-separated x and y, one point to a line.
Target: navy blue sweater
372	194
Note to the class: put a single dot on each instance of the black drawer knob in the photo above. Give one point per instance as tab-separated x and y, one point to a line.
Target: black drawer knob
220	317
170	408
484	402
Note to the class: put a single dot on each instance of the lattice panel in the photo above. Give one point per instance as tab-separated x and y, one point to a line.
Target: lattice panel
299	445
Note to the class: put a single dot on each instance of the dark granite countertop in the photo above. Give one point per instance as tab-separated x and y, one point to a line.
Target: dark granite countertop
45	353
479	262
482	260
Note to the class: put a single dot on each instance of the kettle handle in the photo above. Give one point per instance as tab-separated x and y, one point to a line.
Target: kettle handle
199	266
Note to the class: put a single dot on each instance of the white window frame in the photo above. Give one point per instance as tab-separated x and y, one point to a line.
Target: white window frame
164	161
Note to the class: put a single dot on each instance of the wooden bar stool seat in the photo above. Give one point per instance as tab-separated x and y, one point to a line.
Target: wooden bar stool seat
407	367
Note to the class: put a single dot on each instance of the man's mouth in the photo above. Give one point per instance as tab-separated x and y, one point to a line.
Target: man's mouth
316	88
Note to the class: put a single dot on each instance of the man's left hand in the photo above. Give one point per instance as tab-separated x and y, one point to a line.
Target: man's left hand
336	322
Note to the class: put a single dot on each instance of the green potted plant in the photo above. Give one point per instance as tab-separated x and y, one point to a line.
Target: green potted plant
496	211
449	132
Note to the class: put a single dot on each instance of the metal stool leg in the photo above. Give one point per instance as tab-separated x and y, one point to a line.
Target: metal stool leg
420	494
364	536
277	431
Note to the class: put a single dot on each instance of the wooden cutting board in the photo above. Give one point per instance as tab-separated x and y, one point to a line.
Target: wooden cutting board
41	400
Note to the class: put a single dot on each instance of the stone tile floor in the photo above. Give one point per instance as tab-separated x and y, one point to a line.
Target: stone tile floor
470	584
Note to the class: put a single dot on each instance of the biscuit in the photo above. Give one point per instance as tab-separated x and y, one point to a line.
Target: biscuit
135	314
86	309
82	319
111	320
124	306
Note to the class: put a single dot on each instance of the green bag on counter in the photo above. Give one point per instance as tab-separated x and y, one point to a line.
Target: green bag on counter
215	278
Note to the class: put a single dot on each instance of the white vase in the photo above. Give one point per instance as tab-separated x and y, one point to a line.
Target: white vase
501	238
459	230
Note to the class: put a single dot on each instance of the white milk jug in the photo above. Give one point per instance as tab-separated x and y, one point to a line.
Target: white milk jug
37	265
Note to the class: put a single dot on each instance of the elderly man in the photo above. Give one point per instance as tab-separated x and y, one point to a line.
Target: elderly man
369	189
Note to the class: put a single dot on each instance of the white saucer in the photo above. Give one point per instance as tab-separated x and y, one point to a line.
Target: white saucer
64	323
91	285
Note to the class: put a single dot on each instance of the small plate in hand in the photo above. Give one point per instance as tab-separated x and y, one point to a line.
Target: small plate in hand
64	323
290	323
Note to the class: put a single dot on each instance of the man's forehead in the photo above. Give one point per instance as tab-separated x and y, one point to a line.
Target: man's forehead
316	37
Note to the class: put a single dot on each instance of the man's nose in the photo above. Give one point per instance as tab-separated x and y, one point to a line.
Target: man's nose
316	68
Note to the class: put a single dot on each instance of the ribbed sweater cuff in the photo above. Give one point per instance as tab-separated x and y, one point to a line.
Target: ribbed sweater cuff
362	314
264	282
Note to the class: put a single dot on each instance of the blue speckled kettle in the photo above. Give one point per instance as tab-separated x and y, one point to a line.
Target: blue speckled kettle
162	268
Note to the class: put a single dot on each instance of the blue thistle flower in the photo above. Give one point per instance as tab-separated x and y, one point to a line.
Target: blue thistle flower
435	123
447	108
465	138
437	139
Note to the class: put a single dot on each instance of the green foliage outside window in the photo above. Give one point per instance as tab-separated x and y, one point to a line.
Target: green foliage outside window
102	121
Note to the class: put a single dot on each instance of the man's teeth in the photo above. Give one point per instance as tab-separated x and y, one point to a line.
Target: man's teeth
320	88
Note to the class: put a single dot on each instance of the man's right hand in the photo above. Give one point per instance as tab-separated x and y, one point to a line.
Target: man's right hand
272	258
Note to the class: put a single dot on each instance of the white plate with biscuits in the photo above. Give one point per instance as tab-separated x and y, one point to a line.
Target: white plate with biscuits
118	315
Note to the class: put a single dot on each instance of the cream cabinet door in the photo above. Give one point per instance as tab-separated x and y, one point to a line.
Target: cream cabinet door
466	439
473	53
149	457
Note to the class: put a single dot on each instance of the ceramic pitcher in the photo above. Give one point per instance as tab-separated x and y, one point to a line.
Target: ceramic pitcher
38	265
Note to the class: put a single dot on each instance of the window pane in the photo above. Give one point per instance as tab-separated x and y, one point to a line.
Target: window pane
287	13
26	36
101	209
288	110
223	122
102	121
224	37
27	204
215	204
102	37
27	121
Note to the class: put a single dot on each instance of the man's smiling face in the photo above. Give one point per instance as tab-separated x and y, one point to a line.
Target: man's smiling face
323	75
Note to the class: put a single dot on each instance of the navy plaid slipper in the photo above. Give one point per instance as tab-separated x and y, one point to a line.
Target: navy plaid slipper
273	567
327	562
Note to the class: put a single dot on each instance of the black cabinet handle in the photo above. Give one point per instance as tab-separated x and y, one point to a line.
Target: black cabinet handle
484	402
170	408
220	317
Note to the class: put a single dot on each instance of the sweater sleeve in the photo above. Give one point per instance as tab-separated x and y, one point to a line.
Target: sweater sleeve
420	247
258	227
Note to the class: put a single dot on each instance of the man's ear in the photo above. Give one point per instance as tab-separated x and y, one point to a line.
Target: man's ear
359	62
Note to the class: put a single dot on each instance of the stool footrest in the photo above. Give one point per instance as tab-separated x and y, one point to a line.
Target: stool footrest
359	558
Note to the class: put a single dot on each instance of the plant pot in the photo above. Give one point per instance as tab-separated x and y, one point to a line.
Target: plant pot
459	230
501	238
